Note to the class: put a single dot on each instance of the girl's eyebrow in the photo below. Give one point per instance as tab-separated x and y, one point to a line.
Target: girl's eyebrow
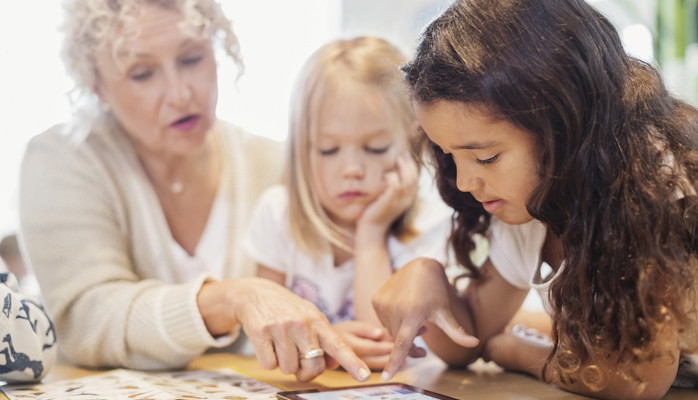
369	135
476	145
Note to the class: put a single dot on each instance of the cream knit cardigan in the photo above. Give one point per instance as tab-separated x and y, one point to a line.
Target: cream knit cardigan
112	292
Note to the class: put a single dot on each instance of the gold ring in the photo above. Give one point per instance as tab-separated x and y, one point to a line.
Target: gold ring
315	353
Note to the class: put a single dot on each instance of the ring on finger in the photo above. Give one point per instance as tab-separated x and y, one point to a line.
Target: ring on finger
315	353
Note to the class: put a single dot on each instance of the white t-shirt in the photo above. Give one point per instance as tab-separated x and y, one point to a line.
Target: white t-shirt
515	252
269	243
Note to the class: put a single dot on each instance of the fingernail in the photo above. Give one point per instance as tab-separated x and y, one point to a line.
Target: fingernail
385	376
364	374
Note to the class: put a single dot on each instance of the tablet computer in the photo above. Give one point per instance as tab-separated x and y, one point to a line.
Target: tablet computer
379	391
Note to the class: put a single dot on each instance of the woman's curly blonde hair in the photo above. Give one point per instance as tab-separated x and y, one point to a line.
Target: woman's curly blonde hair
90	25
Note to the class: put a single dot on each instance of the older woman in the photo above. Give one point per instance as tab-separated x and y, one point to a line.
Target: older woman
132	214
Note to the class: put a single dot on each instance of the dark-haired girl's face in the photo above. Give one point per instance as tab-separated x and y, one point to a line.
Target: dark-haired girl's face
495	161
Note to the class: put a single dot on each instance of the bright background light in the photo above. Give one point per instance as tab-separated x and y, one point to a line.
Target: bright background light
33	85
276	37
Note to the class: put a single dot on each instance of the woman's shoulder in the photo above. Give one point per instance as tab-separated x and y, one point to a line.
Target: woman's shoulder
60	145
250	141
71	136
259	155
55	135
48	149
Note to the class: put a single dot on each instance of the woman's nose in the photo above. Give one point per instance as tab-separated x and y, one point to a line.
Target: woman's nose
178	91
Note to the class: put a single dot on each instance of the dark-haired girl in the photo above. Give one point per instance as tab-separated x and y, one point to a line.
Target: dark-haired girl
580	168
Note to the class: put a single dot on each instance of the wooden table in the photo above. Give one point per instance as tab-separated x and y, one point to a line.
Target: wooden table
481	381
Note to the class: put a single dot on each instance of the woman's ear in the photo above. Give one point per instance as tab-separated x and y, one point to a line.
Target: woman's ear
103	103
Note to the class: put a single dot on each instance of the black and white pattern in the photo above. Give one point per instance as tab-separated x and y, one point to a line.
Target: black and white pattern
27	334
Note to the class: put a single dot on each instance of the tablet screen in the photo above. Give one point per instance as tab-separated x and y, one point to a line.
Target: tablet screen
383	391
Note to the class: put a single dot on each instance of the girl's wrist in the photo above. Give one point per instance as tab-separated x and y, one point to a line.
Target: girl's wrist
370	233
535	349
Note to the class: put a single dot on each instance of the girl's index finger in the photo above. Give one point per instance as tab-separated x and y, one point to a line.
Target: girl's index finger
404	341
447	322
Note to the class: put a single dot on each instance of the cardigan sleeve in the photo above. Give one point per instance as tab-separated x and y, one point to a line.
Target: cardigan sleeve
76	235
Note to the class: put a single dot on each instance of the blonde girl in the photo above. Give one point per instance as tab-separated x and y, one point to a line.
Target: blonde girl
346	217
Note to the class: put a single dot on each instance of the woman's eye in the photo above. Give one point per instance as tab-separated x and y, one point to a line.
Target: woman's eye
141	75
488	161
377	150
192	60
329	152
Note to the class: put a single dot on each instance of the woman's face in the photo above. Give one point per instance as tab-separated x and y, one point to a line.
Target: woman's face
355	145
495	161
161	84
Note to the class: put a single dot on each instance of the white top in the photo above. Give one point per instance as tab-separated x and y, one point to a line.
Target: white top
515	252
209	255
269	243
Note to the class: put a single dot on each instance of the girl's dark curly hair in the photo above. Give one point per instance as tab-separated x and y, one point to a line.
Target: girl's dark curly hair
618	166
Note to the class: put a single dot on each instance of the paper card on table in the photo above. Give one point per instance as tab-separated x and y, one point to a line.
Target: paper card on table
135	385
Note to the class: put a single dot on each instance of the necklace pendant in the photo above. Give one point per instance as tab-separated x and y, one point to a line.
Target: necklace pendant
176	187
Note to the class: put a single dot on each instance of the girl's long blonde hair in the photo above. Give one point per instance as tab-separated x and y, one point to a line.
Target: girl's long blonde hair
370	61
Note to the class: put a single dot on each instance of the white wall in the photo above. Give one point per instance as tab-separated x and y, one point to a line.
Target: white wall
276	36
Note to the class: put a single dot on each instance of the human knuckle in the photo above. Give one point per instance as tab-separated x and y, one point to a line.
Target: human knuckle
402	342
340	345
288	369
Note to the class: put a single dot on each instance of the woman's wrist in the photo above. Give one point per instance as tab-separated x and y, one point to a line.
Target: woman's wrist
215	308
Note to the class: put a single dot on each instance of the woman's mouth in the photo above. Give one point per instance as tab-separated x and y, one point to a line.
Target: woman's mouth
186	123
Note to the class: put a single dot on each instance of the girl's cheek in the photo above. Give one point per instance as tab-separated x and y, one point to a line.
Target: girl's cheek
390	159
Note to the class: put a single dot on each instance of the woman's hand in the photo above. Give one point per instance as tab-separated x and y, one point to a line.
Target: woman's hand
370	342
402	184
417	293
280	325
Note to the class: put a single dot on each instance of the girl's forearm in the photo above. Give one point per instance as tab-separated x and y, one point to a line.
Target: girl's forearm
372	268
601	379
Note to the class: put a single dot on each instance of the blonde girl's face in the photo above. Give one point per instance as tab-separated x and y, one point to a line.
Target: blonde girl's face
357	140
161	84
495	161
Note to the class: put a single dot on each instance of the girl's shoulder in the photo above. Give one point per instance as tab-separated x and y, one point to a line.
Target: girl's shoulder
277	194
273	203
514	250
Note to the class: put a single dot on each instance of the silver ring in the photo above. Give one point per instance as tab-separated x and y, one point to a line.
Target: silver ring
315	353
